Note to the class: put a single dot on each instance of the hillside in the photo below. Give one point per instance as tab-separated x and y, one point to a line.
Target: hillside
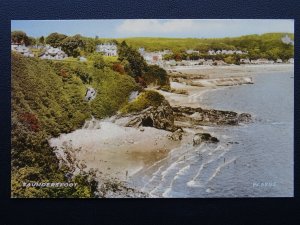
267	45
48	99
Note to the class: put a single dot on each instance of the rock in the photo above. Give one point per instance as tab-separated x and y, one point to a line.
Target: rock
199	116
204	137
142	129
177	135
244	118
90	94
160	117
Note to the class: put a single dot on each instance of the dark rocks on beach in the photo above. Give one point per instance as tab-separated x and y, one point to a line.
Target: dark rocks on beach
204	137
177	135
164	116
160	117
199	116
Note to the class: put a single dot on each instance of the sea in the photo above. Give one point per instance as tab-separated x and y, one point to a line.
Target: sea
251	160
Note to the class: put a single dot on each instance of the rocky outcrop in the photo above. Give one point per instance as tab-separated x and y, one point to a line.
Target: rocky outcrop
199	116
228	81
204	137
160	117
176	135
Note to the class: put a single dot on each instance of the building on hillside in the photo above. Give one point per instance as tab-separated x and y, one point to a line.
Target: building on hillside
262	61
211	52
226	52
245	61
53	53
291	60
82	59
107	49
287	40
141	51
153	58
191	51
22	49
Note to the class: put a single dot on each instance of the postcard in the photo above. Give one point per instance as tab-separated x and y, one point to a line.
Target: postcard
152	108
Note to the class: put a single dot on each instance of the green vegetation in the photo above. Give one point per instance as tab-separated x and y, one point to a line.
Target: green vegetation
47	100
143	101
55	39
72	45
156	75
263	42
22	38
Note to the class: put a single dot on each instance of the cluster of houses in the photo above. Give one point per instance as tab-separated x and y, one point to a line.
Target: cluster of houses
53	53
226	52
287	40
264	61
107	49
22	49
153	58
48	52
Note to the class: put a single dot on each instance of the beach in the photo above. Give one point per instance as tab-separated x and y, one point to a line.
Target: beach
130	153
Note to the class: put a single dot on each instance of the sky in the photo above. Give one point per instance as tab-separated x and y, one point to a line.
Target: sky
176	28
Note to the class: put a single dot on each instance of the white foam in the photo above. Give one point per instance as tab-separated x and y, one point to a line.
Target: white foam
167	192
218	170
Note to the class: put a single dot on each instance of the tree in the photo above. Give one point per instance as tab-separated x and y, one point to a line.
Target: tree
31	41
42	40
19	37
137	64
72	45
156	75
89	45
98	61
55	39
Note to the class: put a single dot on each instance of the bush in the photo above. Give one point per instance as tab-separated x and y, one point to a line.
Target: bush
143	101
156	75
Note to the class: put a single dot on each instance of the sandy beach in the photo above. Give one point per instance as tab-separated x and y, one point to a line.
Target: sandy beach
117	151
120	152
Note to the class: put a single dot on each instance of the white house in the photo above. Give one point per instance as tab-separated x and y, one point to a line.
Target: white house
211	52
22	49
53	53
108	49
262	61
279	61
191	51
226	52
291	60
153	58
82	59
287	40
245	61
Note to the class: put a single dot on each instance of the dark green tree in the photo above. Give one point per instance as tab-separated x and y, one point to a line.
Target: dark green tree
55	39
42	40
20	37
72	45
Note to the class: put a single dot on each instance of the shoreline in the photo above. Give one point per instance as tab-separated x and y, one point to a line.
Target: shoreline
119	152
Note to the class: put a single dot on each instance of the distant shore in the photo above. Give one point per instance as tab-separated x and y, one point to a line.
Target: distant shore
215	73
